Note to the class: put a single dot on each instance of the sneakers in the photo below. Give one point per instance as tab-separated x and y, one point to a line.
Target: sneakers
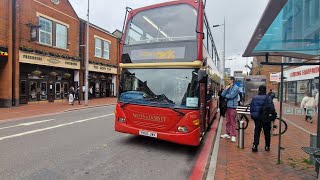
233	139
254	148
267	148
225	136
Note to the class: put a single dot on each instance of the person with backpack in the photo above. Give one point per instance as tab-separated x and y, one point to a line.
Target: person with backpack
262	112
230	93
308	102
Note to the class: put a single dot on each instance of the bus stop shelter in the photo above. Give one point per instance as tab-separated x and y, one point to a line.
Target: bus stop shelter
288	28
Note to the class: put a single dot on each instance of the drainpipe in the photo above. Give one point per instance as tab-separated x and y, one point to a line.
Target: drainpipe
13	51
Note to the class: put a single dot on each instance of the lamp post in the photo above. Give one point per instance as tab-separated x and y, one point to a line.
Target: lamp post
87	63
224	49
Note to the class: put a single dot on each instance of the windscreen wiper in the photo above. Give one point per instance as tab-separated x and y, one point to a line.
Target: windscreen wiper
172	108
131	101
176	110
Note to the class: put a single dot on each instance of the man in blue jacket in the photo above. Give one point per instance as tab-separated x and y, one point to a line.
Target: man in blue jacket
230	93
256	109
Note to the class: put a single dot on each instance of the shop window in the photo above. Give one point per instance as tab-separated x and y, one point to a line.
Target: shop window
102	49
47	27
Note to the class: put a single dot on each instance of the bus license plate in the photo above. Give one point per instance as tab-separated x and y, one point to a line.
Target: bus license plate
146	133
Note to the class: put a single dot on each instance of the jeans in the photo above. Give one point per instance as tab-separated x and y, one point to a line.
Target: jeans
231	122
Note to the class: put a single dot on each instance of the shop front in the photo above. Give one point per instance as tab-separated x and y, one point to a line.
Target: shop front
44	78
298	81
102	81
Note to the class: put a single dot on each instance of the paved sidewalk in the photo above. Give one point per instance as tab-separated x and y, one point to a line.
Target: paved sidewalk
43	108
235	163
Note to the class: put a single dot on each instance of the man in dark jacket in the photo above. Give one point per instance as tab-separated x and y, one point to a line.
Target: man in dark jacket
256	108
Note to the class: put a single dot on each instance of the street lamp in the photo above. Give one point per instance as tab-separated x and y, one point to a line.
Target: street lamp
87	62
224	47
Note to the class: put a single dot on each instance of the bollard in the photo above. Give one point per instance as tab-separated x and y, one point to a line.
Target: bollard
313	143
241	135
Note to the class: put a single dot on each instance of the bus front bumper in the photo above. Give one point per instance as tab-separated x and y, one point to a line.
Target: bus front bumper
190	138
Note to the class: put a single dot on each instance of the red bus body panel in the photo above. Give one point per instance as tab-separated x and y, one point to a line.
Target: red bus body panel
163	121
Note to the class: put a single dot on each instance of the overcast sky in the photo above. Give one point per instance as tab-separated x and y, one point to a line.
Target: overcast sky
242	17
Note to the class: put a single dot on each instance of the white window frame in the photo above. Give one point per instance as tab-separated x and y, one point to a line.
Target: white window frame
65	38
106	50
96	47
40	30
101	47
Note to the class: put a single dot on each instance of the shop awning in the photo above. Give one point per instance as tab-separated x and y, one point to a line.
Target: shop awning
288	28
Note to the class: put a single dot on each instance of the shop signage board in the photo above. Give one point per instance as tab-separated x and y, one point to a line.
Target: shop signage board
302	73
102	69
31	58
274	77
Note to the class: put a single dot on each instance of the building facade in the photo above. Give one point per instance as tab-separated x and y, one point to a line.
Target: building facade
49	62
103	60
42	53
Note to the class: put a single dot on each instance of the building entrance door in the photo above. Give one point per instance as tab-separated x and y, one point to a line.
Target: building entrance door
44	91
32	91
58	90
23	92
103	89
65	90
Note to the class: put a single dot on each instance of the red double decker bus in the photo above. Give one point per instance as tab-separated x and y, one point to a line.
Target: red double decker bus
169	80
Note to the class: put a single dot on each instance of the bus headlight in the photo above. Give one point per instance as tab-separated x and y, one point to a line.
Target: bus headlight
122	120
182	129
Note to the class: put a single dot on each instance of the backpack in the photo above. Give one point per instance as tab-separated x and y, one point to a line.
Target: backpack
271	94
223	107
268	113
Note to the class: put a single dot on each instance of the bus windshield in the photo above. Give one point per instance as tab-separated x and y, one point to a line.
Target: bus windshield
177	88
169	23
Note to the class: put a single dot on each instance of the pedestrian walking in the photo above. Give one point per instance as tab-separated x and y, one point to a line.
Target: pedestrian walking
308	103
261	107
230	93
77	94
71	95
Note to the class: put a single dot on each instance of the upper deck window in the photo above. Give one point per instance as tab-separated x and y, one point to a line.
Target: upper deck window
169	23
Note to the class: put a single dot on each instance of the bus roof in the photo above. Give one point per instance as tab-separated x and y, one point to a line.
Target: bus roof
194	3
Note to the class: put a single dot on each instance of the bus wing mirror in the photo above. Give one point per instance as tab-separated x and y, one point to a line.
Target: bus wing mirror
202	76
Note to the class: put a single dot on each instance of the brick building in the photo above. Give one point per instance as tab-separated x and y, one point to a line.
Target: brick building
103	65
266	70
7	65
40	52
